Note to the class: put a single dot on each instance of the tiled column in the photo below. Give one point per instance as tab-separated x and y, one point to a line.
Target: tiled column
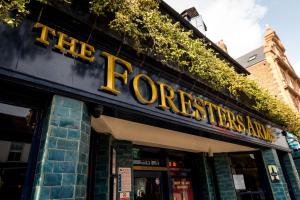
62	165
102	166
279	189
297	164
292	174
224	177
203	179
293	142
124	159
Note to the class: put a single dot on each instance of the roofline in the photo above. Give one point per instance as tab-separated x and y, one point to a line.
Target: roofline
252	51
186	24
264	60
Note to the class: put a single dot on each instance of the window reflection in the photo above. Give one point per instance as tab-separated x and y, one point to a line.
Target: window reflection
246	177
182	188
15	144
147	188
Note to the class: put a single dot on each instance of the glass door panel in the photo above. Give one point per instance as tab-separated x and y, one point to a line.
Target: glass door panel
148	186
245	166
182	188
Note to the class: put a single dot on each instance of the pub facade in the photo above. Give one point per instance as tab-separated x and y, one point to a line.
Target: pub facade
85	117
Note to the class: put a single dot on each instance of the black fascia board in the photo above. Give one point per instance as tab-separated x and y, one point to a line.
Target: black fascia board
171	70
176	16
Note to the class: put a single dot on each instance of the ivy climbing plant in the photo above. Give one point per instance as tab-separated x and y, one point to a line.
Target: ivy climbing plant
11	12
154	33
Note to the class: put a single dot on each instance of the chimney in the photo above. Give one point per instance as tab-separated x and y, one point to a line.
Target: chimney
222	45
194	18
269	33
190	13
271	40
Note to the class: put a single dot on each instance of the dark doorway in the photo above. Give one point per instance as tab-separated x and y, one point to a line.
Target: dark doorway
162	174
249	178
17	125
148	186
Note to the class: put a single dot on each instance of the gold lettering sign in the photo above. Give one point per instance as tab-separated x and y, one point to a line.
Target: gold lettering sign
200	112
176	101
44	36
65	44
112	74
186	104
167	96
137	92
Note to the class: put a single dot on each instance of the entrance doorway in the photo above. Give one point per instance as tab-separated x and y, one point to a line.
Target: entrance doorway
161	174
249	178
149	186
182	188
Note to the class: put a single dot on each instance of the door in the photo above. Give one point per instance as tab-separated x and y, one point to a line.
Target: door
148	185
248	173
182	188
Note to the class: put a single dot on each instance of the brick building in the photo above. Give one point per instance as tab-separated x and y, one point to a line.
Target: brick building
270	67
85	117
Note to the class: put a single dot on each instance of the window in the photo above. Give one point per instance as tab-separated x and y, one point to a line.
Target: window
15	144
252	58
294	84
295	101
284	76
290	81
248	180
15	152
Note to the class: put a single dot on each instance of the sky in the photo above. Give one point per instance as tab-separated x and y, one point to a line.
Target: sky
241	23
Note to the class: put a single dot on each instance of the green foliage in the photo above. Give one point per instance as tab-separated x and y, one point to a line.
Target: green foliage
12	11
153	33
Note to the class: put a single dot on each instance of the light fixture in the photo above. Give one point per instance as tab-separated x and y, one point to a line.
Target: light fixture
210	152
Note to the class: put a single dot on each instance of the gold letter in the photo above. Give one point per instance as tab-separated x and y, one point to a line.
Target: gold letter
250	127
240	122
222	116
259	130
186	104
44	33
137	93
111	74
62	42
211	112
265	133
200	110
232	120
86	52
270	135
169	98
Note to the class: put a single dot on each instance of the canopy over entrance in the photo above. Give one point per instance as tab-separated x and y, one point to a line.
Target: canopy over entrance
147	135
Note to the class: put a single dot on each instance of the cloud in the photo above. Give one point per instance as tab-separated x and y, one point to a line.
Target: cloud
234	21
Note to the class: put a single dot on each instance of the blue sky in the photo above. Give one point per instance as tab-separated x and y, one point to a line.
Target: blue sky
241	23
284	18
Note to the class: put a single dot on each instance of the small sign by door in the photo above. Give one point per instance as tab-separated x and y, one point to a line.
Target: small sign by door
273	171
239	181
124	179
124	196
